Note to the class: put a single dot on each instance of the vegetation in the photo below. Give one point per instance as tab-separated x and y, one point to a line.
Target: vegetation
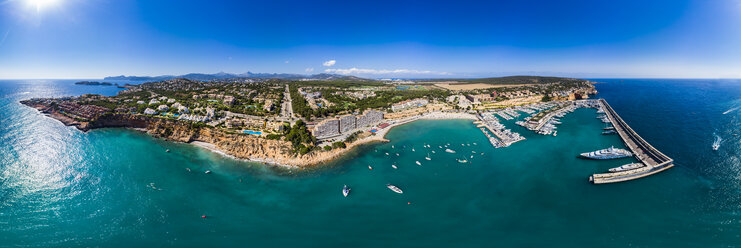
299	135
353	137
339	144
299	103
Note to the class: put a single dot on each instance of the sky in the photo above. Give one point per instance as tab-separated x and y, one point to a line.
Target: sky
88	39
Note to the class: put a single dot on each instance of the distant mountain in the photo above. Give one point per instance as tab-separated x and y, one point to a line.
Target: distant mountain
224	75
508	80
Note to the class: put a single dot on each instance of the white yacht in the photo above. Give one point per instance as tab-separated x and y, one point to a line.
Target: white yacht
394	188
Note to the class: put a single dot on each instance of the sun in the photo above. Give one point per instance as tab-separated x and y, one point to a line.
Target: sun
40	4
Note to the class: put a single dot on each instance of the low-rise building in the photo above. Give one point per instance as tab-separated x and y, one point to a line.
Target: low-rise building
476	99
268	105
414	103
197	118
150	111
183	109
228	100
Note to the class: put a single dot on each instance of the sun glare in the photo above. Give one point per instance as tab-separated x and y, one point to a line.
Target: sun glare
40	4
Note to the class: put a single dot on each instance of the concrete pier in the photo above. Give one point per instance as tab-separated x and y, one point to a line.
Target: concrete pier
654	160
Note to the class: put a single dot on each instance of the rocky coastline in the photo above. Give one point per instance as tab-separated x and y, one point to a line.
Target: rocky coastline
240	146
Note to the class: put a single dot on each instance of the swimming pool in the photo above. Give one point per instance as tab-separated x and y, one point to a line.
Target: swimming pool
252	132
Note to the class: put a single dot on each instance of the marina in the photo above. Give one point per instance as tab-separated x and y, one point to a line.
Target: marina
502	137
652	158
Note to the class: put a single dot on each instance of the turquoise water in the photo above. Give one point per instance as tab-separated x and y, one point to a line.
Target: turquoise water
252	132
119	188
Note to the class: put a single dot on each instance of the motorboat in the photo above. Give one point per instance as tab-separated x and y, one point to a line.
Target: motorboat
345	190
394	188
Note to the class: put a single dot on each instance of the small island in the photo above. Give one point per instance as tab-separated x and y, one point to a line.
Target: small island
93	83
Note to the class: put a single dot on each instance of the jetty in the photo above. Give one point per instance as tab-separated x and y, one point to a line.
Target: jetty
652	158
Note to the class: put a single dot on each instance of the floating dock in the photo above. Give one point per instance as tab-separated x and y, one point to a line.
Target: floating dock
654	160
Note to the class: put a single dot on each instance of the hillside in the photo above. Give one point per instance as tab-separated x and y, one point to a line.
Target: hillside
509	80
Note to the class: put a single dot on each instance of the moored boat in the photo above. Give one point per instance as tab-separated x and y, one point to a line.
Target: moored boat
609	153
394	188
625	167
608	132
345	190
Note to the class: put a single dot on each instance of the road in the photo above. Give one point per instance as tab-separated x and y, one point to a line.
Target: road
286	110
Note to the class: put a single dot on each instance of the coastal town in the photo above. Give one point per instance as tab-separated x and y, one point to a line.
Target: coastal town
304	123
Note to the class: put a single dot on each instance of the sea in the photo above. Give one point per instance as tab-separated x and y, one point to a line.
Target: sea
114	187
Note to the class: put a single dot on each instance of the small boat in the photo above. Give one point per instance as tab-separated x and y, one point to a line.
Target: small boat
462	161
412	149
168	150
345	190
392	146
449	151
394	166
440	147
471	156
428	158
631	166
418	163
370	167
397	154
387	154
482	153
208	172
188	169
474	152
394	188
609	132
716	143
555	133
474	143
433	151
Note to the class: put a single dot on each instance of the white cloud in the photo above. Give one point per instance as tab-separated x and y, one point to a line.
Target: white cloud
288	61
309	70
374	71
329	62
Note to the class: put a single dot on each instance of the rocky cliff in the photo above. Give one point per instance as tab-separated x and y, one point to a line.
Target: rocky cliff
238	145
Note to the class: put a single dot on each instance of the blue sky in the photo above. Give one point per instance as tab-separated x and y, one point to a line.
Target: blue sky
377	39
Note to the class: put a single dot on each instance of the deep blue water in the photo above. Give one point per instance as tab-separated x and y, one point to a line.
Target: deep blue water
119	188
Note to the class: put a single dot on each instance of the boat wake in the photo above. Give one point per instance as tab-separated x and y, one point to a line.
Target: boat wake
731	110
716	143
